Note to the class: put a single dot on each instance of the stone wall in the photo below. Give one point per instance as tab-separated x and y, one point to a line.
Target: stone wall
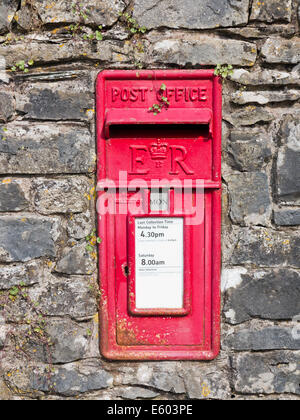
48	276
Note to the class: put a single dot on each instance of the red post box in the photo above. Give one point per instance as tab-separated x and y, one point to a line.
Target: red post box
159	214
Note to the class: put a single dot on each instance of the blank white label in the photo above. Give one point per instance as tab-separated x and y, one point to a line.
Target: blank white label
159	262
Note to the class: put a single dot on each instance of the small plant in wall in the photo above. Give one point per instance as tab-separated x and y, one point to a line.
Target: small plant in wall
224	71
22	66
91	241
164	101
136	31
78	9
132	24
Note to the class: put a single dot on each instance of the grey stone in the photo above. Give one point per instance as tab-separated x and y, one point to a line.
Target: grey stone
264	97
67	380
7	106
98	12
2	342
12	197
190	13
268	373
249	151
248	115
23	239
27	17
50	148
288	162
69	340
66	195
190	49
50	103
250	198
162	376
287	217
80	225
276	50
65	297
133	393
7	11
261	31
268	338
65	50
266	248
265	77
266	295
209	381
272	11
14	275
3	334
76	260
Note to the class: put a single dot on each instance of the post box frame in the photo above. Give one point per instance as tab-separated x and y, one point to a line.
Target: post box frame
107	230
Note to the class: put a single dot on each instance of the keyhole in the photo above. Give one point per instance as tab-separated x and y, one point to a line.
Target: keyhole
125	270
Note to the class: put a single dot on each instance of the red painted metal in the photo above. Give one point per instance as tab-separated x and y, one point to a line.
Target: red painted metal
186	138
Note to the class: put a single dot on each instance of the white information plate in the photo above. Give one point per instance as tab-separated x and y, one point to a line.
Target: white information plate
159	262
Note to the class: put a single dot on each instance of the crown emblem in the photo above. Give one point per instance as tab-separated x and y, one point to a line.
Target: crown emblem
158	150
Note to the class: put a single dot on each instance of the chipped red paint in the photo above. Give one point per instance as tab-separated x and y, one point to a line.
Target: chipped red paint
126	143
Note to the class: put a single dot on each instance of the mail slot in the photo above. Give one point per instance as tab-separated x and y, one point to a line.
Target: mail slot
159	214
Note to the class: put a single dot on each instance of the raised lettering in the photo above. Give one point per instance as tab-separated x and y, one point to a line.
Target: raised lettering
179	160
115	92
138	159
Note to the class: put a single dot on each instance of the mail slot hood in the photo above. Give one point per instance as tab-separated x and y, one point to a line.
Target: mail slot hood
178	116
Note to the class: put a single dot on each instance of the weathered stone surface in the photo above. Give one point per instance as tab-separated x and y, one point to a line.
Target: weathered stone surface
268	373
265	295
7	106
80	225
190	13
261	31
264	97
162	376
268	338
191	49
3	334
98	12
66	380
249	151
46	148
62	51
288	161
23	239
265	77
7	11
55	102
250	198
12	197
276	50
133	393
27	17
76	260
266	248
69	340
272	11
28	274
287	217
65	297
206	381
249	115
66	195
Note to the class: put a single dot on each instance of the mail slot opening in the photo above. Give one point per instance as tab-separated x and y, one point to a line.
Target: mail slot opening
182	131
